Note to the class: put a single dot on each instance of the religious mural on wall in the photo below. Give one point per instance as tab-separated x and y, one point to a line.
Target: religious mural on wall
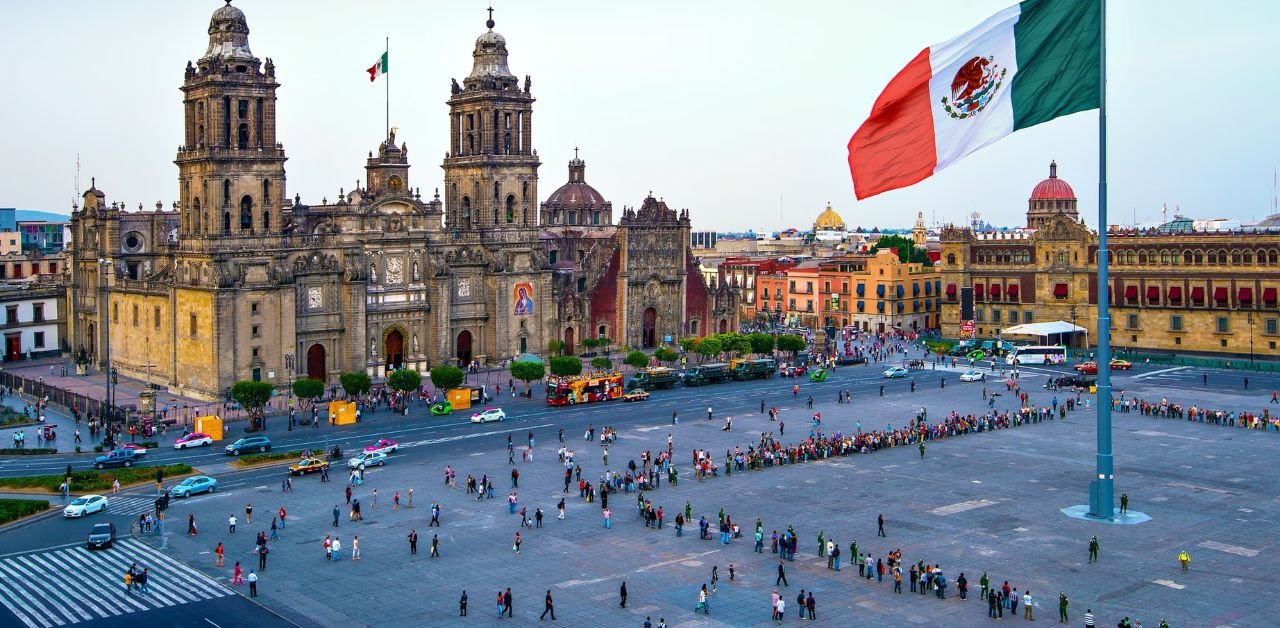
523	299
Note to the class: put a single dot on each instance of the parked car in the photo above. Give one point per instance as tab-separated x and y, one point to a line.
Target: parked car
85	505
194	439
367	459
194	484
638	394
115	458
259	444
1075	381
384	446
101	535
895	372
308	465
488	414
973	376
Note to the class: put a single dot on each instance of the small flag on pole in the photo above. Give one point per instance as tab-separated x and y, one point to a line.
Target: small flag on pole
379	68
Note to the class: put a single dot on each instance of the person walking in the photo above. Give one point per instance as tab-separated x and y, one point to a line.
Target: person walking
435	546
516	545
1027	612
220	553
811	605
1088	618
703	601
435	514
231	523
880	524
355	547
336	546
335	515
275	530
462	604
1184	559
237	575
328	547
191	524
622	595
506	601
782	576
548	607
1093	549
560	507
282	514
1124	504
248	514
1062	607
253	584
413	542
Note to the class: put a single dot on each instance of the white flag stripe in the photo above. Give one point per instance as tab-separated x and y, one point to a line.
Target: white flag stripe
18	592
52	581
202	582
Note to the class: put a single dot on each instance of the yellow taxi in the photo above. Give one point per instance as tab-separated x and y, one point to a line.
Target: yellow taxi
308	465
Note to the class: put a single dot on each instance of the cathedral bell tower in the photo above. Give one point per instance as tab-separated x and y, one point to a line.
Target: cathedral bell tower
491	169
230	167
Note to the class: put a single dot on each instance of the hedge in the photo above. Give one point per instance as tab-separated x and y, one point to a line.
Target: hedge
95	481
14	509
28	451
273	456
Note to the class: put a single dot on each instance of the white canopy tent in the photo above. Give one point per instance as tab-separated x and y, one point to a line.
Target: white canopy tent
1046	330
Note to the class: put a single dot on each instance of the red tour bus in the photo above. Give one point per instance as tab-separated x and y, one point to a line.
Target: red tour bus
567	391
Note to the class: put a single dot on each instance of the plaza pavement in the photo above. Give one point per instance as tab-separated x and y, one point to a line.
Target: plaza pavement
982	502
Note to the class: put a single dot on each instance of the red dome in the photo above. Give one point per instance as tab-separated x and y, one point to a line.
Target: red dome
575	195
1053	188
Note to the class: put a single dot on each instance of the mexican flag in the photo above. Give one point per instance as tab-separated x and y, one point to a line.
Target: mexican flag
1027	64
379	68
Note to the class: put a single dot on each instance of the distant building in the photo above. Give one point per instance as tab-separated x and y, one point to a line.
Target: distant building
44	236
34	323
703	239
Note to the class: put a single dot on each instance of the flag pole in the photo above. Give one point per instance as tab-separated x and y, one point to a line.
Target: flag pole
1102	497
387	76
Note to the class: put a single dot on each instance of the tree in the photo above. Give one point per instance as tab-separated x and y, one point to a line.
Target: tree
590	343
527	371
355	384
566	365
733	343
252	396
688	343
665	355
709	347
637	360
791	343
446	376
310	389
555	346
761	343
907	250
601	363
604	341
404	380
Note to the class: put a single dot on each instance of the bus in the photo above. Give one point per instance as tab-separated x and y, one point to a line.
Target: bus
1037	355
566	391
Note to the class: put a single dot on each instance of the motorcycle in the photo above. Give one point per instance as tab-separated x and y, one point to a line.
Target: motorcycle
335	453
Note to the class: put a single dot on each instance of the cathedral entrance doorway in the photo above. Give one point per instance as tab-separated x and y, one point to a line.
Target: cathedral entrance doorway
393	349
568	341
316	362
724	325
93	340
464	349
649	329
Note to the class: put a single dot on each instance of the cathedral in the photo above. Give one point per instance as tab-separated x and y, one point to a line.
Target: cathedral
239	281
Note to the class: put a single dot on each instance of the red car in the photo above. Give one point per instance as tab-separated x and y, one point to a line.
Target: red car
384	446
1088	367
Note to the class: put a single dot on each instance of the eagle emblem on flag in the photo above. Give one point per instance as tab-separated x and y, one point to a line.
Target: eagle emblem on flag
975	84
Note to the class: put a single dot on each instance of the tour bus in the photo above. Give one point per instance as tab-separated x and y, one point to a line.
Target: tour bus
566	391
1037	355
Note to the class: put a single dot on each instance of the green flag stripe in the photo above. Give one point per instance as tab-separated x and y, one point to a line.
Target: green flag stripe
384	62
1059	45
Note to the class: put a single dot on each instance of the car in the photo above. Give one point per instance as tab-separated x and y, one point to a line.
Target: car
194	439
367	459
976	354
101	536
1074	381
384	446
194	484
1121	365
973	376
259	444
138	450
638	394
895	372
115	458
488	414
1087	367
308	465
85	505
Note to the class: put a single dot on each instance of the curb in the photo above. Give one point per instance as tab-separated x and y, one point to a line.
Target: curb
27	520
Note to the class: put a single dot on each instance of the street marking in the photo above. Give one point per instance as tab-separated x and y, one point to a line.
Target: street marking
962	507
1230	549
1198	488
1169	583
1154	373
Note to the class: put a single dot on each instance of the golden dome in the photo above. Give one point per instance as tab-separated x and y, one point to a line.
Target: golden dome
828	220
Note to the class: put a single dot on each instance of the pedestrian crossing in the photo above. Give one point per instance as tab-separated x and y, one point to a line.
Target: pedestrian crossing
122	505
72	585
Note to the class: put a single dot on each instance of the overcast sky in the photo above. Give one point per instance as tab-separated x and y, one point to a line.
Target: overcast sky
738	110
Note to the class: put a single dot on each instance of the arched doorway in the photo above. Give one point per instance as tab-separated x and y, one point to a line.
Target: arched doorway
464	348
92	348
316	368
568	341
393	349
649	329
724	325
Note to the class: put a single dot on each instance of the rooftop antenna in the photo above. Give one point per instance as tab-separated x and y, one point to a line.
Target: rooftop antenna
76	192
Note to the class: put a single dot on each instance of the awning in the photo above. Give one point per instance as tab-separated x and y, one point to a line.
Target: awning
1060	290
915	289
951	290
862	305
1197	294
1041	329
1130	292
1175	294
901	290
928	287
978	289
1269	296
1245	295
862	289
1220	294
1153	294
880	306
995	291
1013	291
880	290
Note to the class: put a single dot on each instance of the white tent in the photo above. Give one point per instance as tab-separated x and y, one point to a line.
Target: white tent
1045	330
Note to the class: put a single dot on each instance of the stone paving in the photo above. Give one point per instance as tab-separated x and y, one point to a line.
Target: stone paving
983	502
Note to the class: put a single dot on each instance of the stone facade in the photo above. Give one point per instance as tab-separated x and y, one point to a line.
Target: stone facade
238	281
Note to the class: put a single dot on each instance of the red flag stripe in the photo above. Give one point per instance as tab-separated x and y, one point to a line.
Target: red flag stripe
895	147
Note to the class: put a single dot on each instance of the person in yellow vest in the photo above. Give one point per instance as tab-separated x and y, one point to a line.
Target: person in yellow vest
1185	560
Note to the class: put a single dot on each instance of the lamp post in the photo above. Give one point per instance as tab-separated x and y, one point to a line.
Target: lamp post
1250	320
288	367
104	268
1072	312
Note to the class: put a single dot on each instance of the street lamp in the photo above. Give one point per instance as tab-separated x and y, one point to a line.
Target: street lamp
104	267
1072	312
288	367
1250	320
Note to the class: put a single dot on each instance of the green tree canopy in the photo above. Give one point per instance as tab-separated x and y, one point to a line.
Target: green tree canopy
665	355
555	346
446	376
907	250
688	343
590	343
734	343
601	363
761	342
251	395
566	365
792	343
527	371
604	341
404	380
637	360
308	389
355	384
709	347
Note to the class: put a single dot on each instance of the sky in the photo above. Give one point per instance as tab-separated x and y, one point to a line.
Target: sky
738	110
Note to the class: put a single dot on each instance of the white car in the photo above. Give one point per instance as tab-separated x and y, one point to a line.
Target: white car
973	376
194	439
85	505
367	459
489	414
895	372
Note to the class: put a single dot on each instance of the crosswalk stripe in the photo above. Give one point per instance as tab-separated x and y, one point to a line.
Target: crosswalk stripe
123	505
84	580
20	596
136	598
10	603
202	583
156	585
100	584
38	576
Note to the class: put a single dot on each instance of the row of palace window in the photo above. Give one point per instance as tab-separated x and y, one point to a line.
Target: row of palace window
1221	324
843	306
1196	257
1012	316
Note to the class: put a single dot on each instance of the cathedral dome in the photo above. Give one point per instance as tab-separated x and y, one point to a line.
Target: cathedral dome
490	56
229	35
577	193
1053	188
828	220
